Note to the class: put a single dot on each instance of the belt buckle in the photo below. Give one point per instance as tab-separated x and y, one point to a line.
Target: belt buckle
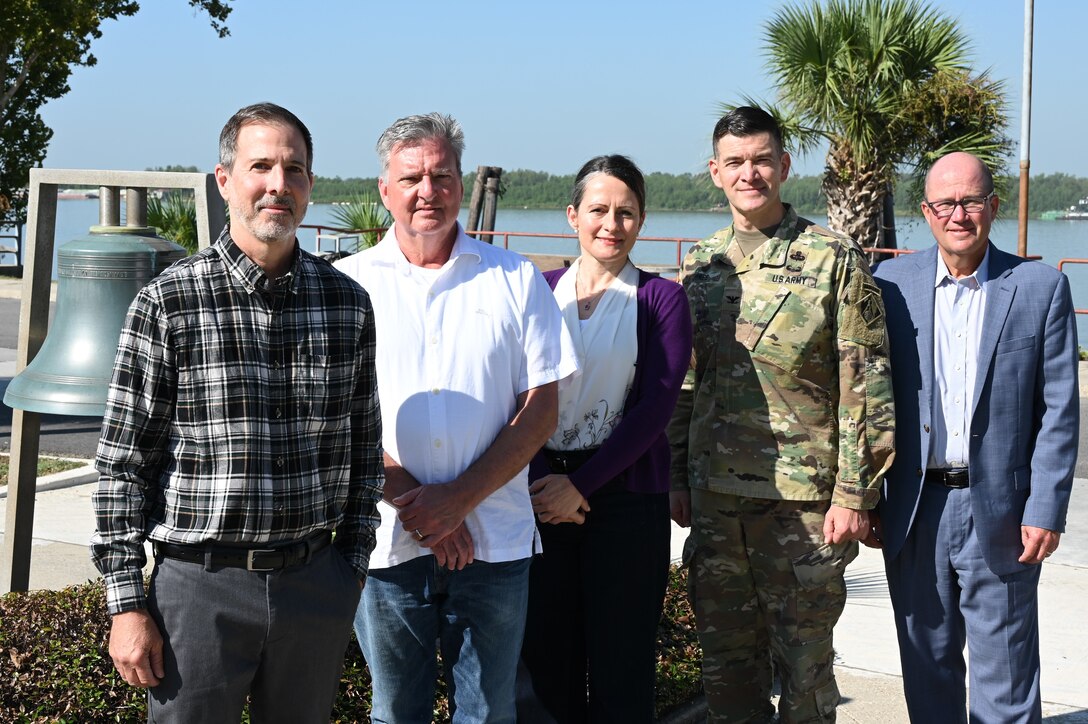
956	479
250	554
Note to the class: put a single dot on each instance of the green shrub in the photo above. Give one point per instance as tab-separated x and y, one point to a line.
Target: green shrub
679	673
174	216
362	214
55	665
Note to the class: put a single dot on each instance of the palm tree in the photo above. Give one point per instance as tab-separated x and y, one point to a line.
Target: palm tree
889	85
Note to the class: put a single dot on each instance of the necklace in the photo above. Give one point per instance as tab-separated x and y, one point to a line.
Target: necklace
591	299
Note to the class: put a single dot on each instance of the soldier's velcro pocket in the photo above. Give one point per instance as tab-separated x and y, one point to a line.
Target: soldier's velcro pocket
827	698
782	329
820	566
755	318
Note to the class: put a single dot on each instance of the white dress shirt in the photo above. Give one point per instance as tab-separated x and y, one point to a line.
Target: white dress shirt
959	307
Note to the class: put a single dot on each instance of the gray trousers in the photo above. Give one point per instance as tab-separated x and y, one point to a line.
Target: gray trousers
945	596
276	636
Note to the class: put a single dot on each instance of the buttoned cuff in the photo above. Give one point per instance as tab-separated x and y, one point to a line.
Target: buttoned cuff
125	591
855	497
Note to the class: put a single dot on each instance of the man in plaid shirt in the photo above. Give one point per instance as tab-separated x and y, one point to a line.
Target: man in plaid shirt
241	438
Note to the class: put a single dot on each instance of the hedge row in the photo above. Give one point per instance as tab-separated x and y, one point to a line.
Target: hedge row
54	665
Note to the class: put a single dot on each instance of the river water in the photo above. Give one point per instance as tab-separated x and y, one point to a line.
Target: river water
1052	240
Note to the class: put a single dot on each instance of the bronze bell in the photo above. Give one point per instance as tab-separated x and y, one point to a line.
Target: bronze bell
97	278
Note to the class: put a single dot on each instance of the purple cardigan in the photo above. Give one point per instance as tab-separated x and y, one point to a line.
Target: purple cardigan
637	447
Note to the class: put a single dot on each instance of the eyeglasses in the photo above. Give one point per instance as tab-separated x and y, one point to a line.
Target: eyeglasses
971	205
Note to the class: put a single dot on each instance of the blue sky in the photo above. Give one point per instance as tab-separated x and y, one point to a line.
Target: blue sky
537	85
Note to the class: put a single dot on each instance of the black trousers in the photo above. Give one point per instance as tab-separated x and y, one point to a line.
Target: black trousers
595	599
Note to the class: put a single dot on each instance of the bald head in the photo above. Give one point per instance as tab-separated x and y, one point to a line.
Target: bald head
960	167
960	207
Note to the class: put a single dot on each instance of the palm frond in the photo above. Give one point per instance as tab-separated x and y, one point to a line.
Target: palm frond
797	138
889	84
365	215
174	217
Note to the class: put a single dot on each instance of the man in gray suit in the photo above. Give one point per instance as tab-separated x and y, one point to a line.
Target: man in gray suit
984	367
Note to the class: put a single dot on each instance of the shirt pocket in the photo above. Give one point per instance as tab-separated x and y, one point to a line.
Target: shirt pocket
324	385
780	329
214	405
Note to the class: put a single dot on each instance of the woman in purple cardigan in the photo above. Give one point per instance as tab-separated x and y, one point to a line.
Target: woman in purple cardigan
600	485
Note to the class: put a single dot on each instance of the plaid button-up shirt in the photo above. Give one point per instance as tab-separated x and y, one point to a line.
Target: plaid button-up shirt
242	410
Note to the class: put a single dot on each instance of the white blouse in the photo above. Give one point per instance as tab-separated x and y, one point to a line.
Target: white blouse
591	401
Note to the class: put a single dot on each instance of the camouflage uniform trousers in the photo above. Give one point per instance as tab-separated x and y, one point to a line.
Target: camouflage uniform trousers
765	587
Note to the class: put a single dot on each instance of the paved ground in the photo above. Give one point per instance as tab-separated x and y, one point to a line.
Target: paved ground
867	662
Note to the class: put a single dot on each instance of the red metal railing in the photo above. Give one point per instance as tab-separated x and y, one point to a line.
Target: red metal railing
888	252
679	242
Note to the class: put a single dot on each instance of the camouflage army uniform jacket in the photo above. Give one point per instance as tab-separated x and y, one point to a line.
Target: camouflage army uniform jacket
789	396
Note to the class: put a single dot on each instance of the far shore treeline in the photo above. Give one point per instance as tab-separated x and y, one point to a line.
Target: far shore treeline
694	192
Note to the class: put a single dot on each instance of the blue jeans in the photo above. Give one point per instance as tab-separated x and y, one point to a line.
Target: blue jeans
477	615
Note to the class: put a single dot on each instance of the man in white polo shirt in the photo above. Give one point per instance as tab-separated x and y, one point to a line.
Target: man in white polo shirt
471	347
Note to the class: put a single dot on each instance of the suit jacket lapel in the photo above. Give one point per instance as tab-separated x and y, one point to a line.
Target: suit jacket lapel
999	294
921	293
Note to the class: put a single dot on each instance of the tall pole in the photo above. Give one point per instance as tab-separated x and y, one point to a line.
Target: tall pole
1025	130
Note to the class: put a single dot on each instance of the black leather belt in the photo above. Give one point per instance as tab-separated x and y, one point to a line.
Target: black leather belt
273	558
565	462
952	478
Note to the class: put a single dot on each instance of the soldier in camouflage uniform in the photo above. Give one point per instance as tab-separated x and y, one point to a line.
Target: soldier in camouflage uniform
781	436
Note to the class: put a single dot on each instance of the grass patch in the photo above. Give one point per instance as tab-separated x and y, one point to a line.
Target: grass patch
46	466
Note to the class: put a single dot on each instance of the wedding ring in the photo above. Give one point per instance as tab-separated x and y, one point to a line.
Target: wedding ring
419	536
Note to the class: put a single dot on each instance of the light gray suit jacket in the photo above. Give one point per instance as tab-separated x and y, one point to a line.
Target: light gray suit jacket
1026	407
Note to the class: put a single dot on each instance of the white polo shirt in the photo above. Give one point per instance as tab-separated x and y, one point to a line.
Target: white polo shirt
455	347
